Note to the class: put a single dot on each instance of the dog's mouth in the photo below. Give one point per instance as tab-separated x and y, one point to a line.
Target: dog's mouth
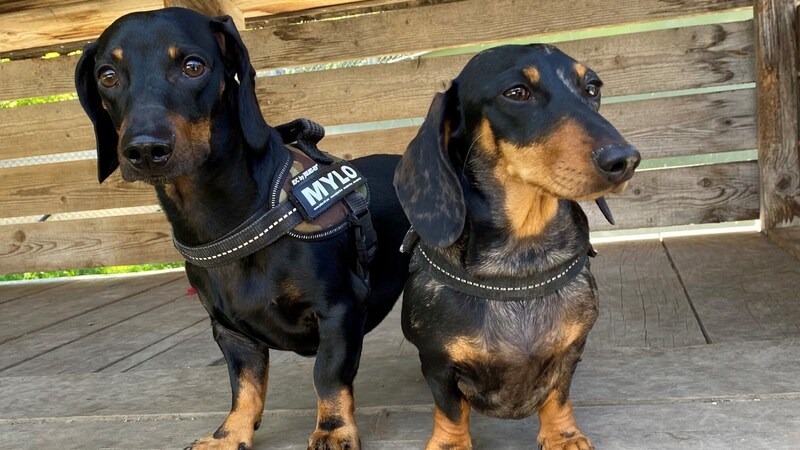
159	175
616	164
160	178
593	191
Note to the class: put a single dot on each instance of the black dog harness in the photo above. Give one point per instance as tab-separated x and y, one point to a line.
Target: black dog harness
496	287
313	197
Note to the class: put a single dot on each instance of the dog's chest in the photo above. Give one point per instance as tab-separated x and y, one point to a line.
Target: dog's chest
525	333
515	333
275	312
508	365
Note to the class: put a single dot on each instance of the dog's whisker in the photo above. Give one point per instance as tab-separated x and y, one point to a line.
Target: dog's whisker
469	150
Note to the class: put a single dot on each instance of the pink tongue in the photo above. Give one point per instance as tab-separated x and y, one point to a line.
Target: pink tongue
601	203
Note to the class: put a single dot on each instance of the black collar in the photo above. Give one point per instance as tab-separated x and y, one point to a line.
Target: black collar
496	287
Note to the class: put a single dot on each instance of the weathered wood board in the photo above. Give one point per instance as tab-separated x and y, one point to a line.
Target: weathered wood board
742	286
642	303
21	289
43	23
412	30
97	351
675	126
703	194
778	90
73	332
642	396
654	61
190	347
110	241
690	195
756	425
46	309
786	238
67	187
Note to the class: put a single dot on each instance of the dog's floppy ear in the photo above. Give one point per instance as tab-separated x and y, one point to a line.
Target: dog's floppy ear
104	131
426	181
254	129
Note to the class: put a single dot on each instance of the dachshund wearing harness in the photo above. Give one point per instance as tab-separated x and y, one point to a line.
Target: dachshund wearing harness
171	95
500	299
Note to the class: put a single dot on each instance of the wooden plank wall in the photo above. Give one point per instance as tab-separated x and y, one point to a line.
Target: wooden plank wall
777	64
671	60
28	25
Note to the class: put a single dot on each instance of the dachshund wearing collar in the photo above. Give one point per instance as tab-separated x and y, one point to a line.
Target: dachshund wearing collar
499	299
172	98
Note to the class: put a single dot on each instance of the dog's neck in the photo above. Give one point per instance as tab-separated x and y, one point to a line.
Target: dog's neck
220	195
516	230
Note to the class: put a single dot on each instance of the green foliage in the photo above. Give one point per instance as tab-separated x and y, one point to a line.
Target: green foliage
95	271
37	100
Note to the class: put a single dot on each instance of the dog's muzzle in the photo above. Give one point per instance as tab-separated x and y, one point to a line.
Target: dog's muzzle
148	153
617	162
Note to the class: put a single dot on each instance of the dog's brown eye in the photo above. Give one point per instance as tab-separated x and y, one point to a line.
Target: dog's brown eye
108	77
593	89
193	67
518	93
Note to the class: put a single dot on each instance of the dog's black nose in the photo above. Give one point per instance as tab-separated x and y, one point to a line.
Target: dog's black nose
147	152
617	162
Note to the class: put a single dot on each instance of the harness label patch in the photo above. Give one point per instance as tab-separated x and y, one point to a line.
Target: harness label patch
320	187
306	173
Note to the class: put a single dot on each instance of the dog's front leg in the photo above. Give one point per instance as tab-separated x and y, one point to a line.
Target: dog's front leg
451	414
248	367
341	334
557	427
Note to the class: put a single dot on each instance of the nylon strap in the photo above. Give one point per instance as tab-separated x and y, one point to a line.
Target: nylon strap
257	232
494	288
365	235
272	222
307	134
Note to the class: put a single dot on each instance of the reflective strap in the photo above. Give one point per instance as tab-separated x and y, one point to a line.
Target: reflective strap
244	240
498	288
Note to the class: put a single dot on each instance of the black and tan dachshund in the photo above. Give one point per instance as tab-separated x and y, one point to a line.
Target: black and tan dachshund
500	299
171	95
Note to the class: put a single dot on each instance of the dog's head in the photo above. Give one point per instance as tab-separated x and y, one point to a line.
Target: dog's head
153	84
528	117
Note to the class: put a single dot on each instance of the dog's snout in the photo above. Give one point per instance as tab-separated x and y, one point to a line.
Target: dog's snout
617	162
148	152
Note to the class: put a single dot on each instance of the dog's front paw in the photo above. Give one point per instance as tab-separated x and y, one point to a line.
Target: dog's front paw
568	440
463	444
342	438
221	441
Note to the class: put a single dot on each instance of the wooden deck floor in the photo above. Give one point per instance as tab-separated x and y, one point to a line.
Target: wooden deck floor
697	346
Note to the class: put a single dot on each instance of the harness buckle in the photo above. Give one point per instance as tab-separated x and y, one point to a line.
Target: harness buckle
366	242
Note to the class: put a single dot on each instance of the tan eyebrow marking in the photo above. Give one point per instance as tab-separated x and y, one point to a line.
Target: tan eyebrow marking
580	69
117	52
172	51
533	74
